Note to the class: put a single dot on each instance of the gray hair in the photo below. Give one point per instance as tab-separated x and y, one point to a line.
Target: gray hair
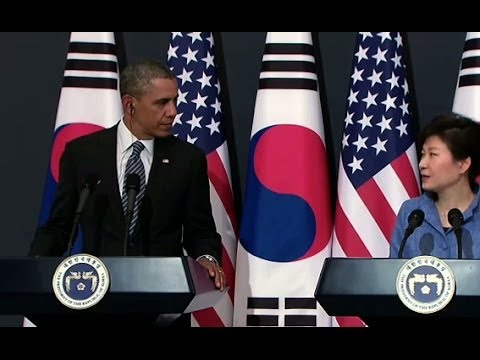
137	78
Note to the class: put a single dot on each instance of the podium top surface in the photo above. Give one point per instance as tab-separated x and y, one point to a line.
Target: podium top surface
378	276
367	288
127	274
136	284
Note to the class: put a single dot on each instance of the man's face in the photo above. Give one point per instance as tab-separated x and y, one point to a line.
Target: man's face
156	109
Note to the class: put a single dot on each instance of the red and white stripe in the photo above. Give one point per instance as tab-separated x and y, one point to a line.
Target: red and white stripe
365	217
223	208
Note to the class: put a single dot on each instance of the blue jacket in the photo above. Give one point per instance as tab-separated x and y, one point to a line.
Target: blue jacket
430	238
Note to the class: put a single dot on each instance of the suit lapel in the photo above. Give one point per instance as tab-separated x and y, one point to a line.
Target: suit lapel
108	157
160	169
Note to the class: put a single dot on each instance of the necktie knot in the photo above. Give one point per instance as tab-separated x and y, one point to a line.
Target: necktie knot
137	148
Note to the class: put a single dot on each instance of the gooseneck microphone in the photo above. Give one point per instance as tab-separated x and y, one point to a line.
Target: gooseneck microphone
415	219
455	218
132	187
88	188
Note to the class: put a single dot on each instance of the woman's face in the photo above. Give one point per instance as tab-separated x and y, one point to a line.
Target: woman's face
438	169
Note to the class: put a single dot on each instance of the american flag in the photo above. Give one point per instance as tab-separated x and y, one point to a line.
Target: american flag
200	121
467	94
378	162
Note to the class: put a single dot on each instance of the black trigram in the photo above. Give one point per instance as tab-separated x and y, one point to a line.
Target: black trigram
293	312
86	58
292	64
470	64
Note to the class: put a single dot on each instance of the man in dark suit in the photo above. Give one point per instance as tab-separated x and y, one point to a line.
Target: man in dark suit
174	210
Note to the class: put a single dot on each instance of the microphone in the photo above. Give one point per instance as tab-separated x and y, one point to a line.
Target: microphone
132	186
415	219
88	188
455	218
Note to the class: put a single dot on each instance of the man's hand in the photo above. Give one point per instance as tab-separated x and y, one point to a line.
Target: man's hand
215	272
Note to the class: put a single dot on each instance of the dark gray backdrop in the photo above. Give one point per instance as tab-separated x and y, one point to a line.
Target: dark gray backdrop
31	73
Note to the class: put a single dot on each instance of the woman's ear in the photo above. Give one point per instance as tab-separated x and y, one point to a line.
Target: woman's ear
465	165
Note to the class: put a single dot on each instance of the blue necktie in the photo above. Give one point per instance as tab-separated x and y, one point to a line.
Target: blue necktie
135	166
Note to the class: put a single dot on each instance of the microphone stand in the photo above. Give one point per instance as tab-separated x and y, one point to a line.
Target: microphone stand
408	232
131	188
455	218
85	193
87	189
458	235
128	220
73	233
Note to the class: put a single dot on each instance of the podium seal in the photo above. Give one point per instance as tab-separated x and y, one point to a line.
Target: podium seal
425	284
80	281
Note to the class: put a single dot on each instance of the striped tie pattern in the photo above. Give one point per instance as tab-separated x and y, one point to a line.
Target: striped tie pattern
135	166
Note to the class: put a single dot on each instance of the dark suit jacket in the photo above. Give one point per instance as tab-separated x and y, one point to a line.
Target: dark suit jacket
176	202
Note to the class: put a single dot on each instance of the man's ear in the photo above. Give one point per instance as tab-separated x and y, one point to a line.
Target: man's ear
128	103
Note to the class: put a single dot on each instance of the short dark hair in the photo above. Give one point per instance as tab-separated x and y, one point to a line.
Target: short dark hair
461	134
137	77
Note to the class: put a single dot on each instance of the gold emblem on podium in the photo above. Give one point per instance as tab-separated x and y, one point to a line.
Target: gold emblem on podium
425	284
80	281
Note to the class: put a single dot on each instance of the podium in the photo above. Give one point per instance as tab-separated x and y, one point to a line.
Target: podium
366	288
143	291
